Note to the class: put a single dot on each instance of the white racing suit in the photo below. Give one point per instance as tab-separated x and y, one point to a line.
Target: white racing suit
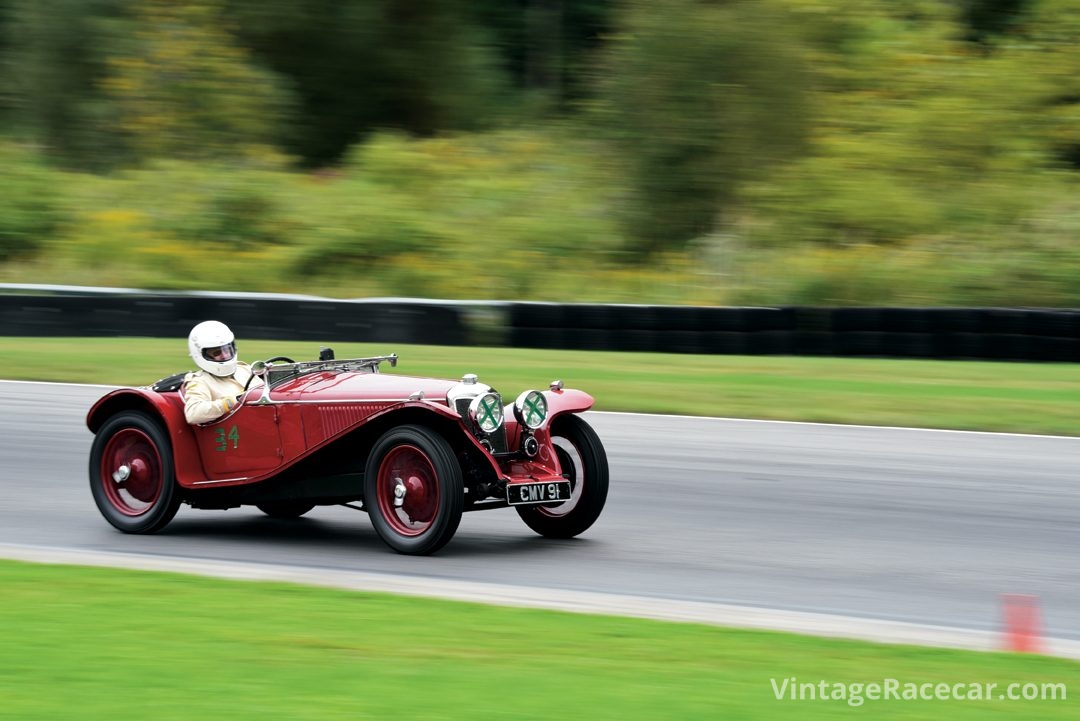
208	397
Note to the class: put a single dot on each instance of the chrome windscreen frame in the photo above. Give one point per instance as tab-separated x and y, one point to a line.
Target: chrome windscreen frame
274	374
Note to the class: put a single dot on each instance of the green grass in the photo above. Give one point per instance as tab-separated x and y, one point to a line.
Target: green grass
89	644
1018	397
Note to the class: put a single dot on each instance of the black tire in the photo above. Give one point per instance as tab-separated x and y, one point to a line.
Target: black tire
147	498
582	457
285	509
434	491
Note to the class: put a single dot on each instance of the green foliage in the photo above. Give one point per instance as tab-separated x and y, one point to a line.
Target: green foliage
103	82
701	97
505	215
547	45
986	18
30	202
638	152
182	86
918	135
361	65
1043	54
474	216
7	66
1033	262
56	57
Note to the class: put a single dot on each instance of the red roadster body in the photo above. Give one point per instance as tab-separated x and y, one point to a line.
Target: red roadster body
415	453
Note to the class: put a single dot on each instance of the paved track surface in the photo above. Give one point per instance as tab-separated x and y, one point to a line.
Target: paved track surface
927	527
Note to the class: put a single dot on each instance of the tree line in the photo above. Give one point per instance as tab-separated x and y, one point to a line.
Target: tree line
699	102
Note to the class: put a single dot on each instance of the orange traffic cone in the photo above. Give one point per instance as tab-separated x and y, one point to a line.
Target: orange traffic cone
1023	623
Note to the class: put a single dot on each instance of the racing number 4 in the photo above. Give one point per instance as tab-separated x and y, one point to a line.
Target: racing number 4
223	438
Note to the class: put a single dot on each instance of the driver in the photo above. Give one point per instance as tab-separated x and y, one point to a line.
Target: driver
215	390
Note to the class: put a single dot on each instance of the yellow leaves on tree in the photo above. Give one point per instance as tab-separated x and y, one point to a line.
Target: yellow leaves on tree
185	88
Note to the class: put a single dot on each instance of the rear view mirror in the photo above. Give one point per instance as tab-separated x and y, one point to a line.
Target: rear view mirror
259	368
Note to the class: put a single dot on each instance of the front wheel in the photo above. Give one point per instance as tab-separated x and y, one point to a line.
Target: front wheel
413	490
131	473
584	463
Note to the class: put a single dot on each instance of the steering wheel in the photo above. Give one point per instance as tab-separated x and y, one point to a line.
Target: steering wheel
275	359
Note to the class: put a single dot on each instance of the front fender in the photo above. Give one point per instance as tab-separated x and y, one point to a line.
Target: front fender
567	400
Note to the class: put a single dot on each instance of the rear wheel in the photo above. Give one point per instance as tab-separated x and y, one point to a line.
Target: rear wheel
131	473
285	509
584	462
413	490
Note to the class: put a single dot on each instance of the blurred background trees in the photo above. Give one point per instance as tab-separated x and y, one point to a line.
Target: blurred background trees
693	151
701	98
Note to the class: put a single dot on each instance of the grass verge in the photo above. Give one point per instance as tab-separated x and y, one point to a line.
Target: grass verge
107	644
1016	397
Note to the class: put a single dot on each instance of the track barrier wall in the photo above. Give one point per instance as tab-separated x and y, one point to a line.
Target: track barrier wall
269	318
1034	334
1022	334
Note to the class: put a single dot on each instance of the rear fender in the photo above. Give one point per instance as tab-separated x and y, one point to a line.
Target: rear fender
188	467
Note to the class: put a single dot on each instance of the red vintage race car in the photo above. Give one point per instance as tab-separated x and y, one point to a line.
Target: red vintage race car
414	453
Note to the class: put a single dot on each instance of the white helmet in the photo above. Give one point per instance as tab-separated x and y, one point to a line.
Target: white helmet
213	348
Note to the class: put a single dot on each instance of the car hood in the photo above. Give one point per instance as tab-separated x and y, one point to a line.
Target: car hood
362	386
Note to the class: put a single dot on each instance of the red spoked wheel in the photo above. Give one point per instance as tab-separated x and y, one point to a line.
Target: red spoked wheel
413	490
131	473
584	463
408	490
132	461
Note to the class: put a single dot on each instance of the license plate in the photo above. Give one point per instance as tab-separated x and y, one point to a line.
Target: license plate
551	492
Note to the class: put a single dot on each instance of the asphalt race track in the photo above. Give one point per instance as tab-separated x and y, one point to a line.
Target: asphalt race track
926	527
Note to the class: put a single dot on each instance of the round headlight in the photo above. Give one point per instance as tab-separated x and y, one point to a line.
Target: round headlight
486	412
531	409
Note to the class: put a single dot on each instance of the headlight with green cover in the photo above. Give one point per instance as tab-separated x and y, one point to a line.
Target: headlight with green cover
531	409
486	411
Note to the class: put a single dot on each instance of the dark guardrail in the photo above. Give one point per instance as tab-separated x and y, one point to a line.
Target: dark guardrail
1034	334
962	333
66	312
